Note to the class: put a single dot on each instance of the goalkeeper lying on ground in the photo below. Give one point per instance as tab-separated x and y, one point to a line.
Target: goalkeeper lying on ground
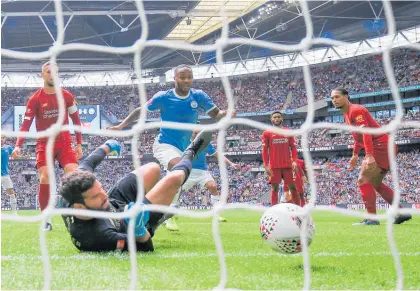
81	190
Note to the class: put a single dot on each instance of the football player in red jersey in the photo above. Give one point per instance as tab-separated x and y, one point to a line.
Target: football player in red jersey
376	163
43	106
276	152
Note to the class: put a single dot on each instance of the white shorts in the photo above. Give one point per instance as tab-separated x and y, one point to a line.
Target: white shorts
197	177
164	153
6	182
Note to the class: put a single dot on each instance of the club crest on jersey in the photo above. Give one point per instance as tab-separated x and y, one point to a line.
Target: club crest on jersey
194	104
45	105
359	118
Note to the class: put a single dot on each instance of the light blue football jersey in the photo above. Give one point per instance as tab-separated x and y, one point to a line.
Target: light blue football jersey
5	153
174	108
200	163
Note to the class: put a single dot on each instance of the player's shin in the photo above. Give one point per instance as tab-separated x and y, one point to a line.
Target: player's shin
214	199
386	192
13	202
295	196
43	195
368	196
274	197
302	200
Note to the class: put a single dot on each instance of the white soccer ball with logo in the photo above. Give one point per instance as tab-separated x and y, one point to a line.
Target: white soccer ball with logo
280	228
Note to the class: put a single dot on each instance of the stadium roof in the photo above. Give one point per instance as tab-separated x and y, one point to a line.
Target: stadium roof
30	26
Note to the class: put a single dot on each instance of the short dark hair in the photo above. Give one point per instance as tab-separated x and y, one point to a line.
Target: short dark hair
275	112
341	90
181	67
75	184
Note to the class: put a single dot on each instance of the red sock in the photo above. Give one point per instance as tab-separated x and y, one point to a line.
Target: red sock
302	201
368	196
43	195
386	192
274	197
295	197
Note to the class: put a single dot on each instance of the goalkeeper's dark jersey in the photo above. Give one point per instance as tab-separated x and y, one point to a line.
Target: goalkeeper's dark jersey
104	234
99	234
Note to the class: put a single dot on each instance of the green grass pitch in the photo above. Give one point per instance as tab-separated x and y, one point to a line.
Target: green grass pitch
342	256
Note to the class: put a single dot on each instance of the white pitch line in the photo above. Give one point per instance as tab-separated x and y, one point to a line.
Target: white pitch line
199	255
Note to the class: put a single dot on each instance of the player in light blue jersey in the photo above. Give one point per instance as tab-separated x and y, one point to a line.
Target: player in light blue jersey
6	182
181	104
200	176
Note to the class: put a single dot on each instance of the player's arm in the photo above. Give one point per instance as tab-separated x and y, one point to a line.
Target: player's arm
305	177
362	121
103	237
74	115
211	151
356	150
292	146
207	104
153	104
31	110
112	240
265	150
218	114
133	116
98	155
230	163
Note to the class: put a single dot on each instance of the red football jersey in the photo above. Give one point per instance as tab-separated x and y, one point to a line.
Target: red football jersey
278	150
358	115
44	108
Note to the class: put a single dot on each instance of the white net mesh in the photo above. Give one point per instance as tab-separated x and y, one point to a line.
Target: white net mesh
222	126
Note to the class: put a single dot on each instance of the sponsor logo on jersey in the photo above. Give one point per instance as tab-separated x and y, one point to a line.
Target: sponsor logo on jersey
194	104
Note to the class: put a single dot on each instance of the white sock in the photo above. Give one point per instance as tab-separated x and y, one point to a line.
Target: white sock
214	199
175	201
13	202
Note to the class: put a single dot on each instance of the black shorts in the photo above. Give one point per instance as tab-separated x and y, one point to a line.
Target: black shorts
125	190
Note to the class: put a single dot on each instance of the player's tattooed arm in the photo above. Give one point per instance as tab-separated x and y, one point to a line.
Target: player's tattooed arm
133	116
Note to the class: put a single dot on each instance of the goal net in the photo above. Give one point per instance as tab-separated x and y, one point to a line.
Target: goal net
221	126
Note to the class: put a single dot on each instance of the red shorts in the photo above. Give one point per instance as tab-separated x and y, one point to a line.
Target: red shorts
278	174
63	153
382	158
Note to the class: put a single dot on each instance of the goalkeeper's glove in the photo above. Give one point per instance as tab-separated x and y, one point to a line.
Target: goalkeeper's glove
114	147
141	220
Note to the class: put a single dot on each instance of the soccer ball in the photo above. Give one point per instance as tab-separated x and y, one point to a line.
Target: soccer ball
280	228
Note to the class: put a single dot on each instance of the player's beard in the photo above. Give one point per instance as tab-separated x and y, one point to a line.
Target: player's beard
278	124
50	84
104	207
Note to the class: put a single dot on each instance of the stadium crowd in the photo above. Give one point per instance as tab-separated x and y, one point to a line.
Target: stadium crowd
239	140
247	185
334	180
255	93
